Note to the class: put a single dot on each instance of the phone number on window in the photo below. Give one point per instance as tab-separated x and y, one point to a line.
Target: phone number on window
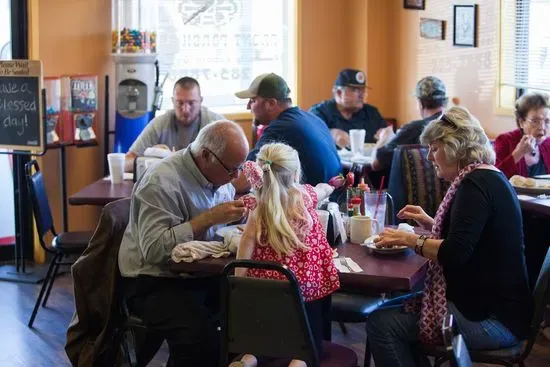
218	74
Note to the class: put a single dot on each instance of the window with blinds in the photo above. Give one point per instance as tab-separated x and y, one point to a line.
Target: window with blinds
524	48
225	44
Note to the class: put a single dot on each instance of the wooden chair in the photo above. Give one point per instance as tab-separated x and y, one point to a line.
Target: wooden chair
62	245
267	317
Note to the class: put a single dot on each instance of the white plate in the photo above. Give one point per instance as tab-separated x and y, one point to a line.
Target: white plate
229	229
369	242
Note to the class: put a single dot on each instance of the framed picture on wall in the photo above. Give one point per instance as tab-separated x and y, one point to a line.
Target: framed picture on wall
432	28
414	4
465	25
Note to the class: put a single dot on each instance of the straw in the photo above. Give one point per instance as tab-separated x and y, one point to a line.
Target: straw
504	160
379	196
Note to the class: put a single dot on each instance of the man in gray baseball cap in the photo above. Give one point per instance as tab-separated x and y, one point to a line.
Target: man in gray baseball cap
431	96
269	101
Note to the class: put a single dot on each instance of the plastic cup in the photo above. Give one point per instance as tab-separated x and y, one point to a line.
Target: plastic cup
371	200
357	139
323	218
116	167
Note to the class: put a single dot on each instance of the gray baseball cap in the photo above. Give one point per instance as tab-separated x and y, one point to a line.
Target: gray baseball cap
430	87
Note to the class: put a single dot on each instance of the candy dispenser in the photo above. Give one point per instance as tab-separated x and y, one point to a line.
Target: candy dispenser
134	26
53	109
134	50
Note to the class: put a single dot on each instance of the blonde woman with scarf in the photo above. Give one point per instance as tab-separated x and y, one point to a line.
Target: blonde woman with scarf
476	268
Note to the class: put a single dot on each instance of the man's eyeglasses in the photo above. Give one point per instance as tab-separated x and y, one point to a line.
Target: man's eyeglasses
230	171
538	122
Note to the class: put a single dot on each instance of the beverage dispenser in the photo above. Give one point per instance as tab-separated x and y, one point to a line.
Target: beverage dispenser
134	52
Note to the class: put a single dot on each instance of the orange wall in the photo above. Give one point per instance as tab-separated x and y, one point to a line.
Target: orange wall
73	38
469	73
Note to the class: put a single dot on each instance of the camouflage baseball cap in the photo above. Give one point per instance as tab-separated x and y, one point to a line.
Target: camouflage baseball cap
267	86
430	87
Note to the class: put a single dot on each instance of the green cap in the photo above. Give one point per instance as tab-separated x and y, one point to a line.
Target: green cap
267	86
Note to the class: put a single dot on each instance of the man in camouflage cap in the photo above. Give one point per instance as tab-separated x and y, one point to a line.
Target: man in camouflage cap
432	99
348	110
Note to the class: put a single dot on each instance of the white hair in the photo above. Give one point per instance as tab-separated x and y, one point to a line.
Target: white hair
213	137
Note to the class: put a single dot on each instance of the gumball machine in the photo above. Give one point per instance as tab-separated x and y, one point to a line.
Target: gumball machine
134	52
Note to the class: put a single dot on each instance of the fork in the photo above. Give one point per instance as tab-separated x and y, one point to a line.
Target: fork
344	262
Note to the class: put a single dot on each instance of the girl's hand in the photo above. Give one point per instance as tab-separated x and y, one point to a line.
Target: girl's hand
417	214
392	237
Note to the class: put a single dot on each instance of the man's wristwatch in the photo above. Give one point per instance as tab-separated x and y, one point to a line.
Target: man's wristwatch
420	244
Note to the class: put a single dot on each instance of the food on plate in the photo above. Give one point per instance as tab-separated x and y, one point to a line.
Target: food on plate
530	182
520	181
517	180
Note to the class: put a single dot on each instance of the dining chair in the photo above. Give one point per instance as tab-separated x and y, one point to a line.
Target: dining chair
516	354
63	244
413	179
456	348
267	317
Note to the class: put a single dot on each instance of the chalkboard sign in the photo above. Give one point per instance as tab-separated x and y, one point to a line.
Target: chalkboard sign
21	112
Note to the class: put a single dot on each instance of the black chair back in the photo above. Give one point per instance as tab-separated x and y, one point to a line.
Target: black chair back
541	295
264	317
39	200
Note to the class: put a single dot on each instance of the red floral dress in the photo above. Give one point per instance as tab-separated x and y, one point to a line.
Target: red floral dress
313	267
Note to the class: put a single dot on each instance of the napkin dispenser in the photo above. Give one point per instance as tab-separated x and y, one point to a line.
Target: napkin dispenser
141	164
335	237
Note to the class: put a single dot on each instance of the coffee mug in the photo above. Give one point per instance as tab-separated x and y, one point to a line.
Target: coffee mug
361	228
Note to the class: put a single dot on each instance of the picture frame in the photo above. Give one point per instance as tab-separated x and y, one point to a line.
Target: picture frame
465	25
432	28
414	4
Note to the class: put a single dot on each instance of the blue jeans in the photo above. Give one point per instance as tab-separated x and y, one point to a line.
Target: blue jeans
393	335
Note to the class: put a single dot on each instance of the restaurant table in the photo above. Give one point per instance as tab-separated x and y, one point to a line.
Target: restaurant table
534	204
102	192
381	273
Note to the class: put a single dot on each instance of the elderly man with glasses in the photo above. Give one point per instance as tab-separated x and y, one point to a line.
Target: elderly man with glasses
184	197
177	128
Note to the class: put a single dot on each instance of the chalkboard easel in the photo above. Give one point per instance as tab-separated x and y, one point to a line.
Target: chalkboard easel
22	133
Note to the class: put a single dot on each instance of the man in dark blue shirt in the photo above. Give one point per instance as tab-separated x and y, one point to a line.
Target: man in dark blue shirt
271	105
347	110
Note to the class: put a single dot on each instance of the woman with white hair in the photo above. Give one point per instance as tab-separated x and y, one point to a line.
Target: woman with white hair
476	268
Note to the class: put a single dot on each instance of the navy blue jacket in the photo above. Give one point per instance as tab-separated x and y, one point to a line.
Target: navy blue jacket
367	118
307	134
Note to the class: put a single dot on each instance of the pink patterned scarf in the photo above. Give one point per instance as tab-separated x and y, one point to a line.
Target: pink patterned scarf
432	306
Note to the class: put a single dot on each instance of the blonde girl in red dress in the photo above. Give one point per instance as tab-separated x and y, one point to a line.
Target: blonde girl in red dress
284	227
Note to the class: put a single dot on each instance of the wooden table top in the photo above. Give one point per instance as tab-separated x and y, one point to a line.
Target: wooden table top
534	204
102	192
382	273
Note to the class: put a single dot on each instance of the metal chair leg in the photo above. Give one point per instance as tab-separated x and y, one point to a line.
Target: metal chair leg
368	355
42	290
343	328
52	279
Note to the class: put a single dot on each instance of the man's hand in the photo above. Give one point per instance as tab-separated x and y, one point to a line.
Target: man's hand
340	137
231	211
383	136
161	146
